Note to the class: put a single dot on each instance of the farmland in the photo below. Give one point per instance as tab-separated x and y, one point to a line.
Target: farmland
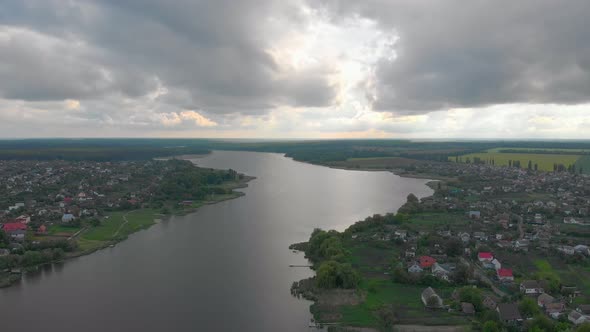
544	161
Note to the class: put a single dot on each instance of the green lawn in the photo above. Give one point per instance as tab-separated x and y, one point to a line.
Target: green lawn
545	270
55	229
405	301
107	231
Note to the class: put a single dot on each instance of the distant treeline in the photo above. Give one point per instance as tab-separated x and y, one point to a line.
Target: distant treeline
94	150
318	151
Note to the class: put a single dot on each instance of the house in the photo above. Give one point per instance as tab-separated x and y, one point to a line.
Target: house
570	220
410	253
554	309
491	302
24	219
467	308
67	217
42	229
522	244
480	236
430	299
474	214
426	261
4	252
568	250
496	264
401	234
505	275
444	233
531	287
415	268
485	256
584	309
582	249
465	237
15	230
509	313
545	299
576	318
442	271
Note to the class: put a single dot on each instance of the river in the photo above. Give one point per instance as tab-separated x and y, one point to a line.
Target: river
222	268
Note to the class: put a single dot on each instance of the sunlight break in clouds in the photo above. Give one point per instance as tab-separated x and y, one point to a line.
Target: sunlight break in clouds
294	69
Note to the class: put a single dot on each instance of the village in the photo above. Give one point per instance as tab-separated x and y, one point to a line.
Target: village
487	245
51	210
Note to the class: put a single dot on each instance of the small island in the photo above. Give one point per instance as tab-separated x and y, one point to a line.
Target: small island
59	209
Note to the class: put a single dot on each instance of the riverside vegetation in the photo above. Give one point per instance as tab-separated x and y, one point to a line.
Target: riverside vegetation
64	209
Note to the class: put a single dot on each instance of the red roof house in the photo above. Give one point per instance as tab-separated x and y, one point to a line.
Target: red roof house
14	226
485	256
426	261
505	275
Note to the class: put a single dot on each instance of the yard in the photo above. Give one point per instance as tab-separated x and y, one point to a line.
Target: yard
120	224
405	302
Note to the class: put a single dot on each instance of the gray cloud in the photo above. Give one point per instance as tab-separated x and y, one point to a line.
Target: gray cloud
477	53
213	53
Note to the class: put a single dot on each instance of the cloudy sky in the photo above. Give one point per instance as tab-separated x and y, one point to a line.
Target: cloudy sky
295	68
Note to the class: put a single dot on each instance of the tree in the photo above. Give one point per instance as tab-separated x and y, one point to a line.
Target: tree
541	323
491	326
412	198
530	165
528	307
332	274
433	302
454	247
3	238
462	274
471	295
583	328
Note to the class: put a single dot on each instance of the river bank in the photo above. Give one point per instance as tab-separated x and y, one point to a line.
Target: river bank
118	226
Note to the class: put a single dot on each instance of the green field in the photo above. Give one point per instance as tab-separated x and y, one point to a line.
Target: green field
61	229
545	270
584	164
405	302
529	150
115	228
545	161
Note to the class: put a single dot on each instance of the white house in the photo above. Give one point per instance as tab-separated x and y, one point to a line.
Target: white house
67	217
415	268
568	250
531	287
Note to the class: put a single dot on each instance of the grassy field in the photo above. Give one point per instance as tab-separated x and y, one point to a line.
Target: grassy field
115	227
525	150
405	302
545	162
545	270
61	229
430	220
584	163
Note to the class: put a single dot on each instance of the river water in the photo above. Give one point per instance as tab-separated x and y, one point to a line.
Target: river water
222	268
